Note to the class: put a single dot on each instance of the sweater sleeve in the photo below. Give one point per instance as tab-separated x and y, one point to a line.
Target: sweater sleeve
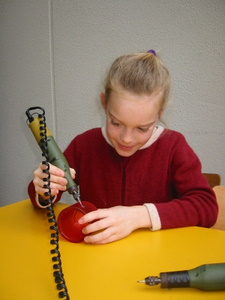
195	203
36	199
154	216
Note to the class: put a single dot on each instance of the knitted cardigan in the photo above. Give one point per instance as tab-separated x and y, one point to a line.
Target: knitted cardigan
166	177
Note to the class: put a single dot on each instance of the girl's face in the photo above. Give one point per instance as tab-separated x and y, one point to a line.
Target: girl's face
130	119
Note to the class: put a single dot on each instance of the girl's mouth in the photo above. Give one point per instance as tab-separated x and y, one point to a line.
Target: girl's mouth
125	148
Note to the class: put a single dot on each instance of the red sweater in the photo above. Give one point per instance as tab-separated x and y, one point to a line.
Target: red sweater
167	174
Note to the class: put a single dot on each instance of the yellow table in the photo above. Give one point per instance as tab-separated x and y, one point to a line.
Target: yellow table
99	272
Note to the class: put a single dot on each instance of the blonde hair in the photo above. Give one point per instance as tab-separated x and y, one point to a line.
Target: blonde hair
140	73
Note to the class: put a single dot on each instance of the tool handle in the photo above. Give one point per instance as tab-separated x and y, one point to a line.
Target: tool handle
210	277
55	155
57	159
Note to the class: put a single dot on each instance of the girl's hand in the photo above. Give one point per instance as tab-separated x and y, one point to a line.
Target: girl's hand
111	224
57	180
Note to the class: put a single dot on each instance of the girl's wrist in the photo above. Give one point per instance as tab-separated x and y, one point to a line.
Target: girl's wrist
141	217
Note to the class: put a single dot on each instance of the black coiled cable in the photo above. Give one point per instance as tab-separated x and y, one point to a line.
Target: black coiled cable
56	256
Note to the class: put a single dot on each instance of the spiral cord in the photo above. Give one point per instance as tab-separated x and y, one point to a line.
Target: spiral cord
56	256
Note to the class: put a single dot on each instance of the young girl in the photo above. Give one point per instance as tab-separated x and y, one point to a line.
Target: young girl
137	173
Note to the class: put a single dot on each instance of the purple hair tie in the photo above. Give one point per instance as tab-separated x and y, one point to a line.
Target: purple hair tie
152	51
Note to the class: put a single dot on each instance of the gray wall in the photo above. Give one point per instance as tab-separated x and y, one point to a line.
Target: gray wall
55	54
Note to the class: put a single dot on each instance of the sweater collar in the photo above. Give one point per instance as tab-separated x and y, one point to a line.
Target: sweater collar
155	135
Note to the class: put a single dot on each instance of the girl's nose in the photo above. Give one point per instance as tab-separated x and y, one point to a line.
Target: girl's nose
126	136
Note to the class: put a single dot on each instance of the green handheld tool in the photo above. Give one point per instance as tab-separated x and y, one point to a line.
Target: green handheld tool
55	155
210	277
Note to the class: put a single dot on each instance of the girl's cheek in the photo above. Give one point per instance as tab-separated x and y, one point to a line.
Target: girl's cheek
112	130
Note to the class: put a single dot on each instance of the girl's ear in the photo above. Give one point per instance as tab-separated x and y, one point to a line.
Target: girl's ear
103	100
162	109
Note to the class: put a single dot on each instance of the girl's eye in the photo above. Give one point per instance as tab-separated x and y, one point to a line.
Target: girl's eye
143	129
115	123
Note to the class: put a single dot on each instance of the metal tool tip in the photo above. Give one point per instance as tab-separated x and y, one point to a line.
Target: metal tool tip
81	204
141	281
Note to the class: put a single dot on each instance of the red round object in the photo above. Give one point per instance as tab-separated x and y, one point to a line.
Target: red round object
68	218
